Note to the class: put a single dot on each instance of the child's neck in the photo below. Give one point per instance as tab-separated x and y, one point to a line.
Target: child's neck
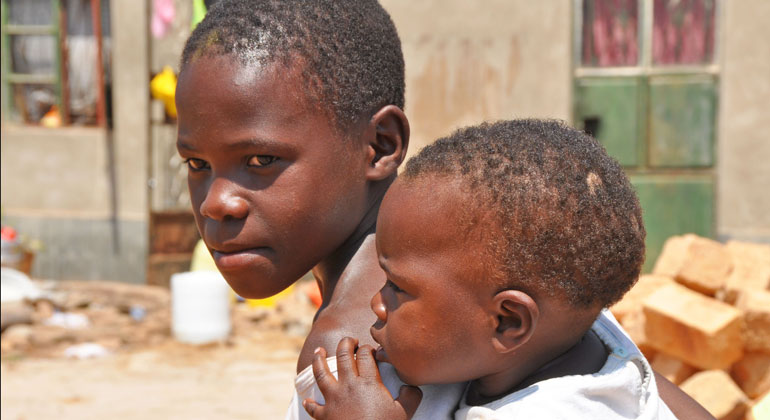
330	270
584	357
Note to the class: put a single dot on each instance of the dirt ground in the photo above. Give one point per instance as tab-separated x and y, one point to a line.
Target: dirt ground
248	377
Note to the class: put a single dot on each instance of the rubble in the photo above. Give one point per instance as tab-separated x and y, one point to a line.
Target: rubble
717	393
752	374
699	263
672	368
85	315
701	331
703	320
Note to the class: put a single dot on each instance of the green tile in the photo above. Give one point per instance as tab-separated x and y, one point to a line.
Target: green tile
673	205
609	106
681	122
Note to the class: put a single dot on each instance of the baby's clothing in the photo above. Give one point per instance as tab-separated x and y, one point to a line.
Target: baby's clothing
438	401
624	388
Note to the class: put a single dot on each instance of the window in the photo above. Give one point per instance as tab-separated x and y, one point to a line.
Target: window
55	61
646	86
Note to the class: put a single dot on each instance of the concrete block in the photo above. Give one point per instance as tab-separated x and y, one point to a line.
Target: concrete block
751	270
698	263
634	323
696	329
672	368
632	300
756	317
717	393
752	374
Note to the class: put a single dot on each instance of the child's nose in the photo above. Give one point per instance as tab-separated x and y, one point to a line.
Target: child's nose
378	306
223	202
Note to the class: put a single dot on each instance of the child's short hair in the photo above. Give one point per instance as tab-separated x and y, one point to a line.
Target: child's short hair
570	220
349	49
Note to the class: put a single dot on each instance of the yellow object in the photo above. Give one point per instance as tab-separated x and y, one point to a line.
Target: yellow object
199	12
51	119
202	261
163	88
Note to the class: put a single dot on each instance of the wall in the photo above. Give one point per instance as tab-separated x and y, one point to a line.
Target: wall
466	63
743	184
81	192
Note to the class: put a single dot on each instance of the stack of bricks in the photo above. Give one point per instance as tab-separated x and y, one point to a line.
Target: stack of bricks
702	318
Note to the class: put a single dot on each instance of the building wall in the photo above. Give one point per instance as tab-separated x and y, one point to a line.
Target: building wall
743	158
467	62
83	193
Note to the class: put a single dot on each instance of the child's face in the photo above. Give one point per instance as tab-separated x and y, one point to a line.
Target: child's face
274	189
433	313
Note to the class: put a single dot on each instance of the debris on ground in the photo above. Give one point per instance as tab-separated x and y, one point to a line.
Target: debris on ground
120	317
702	318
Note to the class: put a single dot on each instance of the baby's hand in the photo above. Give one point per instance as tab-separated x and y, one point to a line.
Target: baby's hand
359	392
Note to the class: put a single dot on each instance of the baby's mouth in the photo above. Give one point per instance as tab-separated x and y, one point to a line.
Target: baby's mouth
380	355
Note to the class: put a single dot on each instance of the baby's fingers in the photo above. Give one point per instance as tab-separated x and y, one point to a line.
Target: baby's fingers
315	410
409	398
346	358
323	376
367	366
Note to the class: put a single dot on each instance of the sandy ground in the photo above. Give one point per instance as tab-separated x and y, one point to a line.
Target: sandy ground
247	380
146	373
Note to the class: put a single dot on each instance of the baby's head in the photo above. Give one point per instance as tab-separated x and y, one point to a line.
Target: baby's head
501	242
291	122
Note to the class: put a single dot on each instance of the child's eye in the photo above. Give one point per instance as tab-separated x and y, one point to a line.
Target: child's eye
196	164
261	160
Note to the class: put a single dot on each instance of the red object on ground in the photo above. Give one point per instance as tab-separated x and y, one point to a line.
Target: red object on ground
313	293
8	233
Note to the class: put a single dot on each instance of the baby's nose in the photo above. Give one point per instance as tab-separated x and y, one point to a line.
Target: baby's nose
223	202
378	306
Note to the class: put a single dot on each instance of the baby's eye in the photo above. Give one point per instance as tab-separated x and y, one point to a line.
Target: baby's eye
394	287
261	160
196	164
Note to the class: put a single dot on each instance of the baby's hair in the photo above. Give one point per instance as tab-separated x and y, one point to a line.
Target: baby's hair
569	219
349	50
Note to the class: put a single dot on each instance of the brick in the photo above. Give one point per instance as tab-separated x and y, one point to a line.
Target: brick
756	318
672	368
698	263
696	329
752	374
717	393
751	270
632	300
634	323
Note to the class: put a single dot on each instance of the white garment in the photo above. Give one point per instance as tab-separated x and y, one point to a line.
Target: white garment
624	388
438	401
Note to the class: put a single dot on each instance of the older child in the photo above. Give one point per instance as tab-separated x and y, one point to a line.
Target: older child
502	243
291	122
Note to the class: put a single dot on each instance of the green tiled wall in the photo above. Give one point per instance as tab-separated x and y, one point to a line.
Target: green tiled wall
674	205
681	121
612	105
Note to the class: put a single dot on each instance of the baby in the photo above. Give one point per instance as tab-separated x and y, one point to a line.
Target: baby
502	244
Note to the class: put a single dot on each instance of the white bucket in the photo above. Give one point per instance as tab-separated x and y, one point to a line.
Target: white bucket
200	307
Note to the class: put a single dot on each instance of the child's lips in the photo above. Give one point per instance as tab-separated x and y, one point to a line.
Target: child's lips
228	261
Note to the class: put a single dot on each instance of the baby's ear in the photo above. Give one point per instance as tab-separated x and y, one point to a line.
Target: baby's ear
517	317
387	143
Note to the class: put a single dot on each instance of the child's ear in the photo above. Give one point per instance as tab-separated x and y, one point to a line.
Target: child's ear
517	316
388	144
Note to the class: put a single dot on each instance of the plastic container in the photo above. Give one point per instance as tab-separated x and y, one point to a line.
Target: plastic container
200	307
